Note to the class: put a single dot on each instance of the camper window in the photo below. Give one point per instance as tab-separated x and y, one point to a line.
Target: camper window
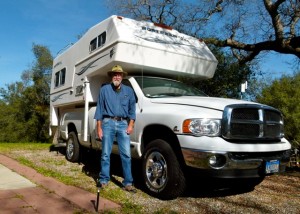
101	39
60	77
98	41
56	79
93	44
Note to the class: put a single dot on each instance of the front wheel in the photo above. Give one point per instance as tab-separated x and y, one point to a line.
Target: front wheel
72	149
162	173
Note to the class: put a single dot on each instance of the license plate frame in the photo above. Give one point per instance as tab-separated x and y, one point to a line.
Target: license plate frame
272	166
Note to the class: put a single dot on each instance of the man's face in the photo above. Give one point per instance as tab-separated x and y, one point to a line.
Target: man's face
117	79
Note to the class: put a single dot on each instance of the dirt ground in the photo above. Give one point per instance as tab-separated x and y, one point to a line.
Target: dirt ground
275	194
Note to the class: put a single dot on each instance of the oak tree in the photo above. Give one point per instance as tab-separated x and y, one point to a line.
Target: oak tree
247	28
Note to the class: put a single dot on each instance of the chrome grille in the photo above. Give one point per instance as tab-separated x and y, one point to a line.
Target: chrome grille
252	122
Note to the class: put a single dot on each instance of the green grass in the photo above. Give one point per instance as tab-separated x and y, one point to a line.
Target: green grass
129	208
47	172
112	193
8	147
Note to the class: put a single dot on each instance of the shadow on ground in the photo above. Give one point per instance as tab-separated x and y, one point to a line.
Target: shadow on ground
201	187
198	186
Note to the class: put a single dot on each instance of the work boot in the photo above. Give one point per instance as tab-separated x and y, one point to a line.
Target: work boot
130	188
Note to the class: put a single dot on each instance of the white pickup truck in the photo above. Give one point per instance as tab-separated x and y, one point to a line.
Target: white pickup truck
177	126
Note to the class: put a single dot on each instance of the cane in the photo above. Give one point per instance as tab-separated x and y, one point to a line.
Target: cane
97	203
98	194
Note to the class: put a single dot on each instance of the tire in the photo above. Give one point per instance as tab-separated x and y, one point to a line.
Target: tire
72	149
162	174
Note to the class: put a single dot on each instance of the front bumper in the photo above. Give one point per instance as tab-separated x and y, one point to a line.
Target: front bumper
234	164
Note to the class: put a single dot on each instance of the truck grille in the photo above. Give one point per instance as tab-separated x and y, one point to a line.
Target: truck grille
252	122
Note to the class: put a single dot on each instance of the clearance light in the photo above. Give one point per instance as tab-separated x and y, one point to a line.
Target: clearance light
163	26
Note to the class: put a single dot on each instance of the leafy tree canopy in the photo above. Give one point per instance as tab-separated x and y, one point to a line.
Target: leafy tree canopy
25	105
284	94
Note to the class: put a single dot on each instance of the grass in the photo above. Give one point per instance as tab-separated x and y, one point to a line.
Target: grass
37	156
33	156
9	147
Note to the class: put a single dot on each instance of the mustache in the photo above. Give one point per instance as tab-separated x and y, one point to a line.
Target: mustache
116	82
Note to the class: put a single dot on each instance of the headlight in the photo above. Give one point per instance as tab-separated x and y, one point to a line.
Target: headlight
202	127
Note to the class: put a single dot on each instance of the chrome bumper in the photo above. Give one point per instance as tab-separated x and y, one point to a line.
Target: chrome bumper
233	164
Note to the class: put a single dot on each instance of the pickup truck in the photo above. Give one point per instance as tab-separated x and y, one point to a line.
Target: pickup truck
178	126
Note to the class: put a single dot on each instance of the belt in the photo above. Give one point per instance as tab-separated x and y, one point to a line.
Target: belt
115	118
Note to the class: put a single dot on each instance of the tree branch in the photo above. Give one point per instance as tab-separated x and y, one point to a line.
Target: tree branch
276	19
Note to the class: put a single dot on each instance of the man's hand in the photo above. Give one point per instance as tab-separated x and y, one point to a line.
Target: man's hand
99	129
130	127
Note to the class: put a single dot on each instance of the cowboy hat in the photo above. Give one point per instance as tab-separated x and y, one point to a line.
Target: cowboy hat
116	69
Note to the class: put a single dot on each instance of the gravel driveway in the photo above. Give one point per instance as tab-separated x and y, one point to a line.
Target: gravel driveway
276	194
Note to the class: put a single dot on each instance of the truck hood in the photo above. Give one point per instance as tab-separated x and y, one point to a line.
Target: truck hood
206	102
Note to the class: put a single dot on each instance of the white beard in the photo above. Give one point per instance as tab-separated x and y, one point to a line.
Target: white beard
116	83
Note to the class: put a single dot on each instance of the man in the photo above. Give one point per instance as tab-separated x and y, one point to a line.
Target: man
115	115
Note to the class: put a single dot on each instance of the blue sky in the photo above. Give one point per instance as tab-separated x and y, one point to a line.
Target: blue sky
57	23
54	23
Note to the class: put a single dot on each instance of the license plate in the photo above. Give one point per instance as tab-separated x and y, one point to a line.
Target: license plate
272	166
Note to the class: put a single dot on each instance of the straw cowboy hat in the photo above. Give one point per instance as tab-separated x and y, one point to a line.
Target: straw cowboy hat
116	69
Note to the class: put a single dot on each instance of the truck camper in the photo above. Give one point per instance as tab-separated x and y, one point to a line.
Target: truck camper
177	127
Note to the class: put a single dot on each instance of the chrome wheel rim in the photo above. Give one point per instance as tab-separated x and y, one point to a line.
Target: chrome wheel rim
70	148
156	170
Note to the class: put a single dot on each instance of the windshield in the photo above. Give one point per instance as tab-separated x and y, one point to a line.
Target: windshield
159	87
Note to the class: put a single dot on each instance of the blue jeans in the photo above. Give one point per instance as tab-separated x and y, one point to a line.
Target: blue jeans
111	129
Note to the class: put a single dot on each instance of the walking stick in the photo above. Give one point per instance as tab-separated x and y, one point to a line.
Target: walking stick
97	203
